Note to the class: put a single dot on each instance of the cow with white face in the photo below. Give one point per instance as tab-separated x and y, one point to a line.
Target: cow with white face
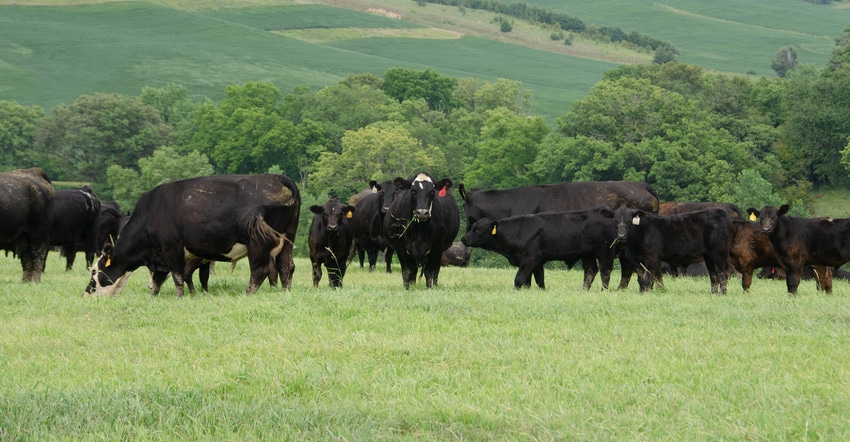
421	222
218	218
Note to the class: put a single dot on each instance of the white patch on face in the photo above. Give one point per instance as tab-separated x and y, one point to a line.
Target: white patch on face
422	177
636	220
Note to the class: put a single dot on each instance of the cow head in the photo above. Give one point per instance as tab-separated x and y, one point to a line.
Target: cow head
387	190
481	233
626	219
423	190
768	216
106	278
333	213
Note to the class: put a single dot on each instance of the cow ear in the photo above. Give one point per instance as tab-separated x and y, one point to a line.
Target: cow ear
754	214
107	252
445	183
606	211
462	191
401	183
784	209
348	211
318	210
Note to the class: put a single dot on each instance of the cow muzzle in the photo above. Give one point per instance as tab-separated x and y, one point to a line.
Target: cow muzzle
422	214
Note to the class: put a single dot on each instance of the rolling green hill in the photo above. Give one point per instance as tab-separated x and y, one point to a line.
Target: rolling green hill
53	54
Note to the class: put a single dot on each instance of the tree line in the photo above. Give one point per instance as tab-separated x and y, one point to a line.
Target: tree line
692	134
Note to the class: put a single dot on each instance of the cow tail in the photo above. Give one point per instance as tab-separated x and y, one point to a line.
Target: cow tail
258	229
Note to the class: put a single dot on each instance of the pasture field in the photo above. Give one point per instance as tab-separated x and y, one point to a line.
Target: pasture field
54	54
723	35
472	360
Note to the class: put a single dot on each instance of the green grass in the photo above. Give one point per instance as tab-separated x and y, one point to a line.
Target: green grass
473	359
724	35
831	202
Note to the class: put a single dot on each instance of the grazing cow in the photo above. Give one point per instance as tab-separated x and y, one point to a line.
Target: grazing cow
457	255
799	241
330	240
420	224
220	218
678	239
76	216
751	249
367	224
109	223
529	241
26	216
677	208
563	197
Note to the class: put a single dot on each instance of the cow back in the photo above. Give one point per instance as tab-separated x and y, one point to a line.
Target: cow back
562	197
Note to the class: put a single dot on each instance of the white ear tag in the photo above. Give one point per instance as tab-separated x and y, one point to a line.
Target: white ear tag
636	220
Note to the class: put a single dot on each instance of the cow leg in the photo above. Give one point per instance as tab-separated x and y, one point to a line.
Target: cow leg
626	271
432	270
285	266
388	257
204	275
157	278
746	278
336	273
823	277
792	278
70	252
373	258
605	266
361	254
317	270
178	283
590	271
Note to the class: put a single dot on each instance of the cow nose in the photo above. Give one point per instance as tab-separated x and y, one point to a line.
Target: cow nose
333	228
422	213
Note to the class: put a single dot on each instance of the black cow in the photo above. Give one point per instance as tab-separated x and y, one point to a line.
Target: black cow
563	197
76	215
109	223
420	224
751	249
800	241
457	255
529	241
330	240
677	239
26	215
367	223
677	208
220	218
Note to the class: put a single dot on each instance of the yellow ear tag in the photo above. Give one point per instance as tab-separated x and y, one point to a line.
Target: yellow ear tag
108	261
348	214
494	231
752	217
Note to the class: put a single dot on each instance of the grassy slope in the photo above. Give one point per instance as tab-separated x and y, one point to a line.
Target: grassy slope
725	35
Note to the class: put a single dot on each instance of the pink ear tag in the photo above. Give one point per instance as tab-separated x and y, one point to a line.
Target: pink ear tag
442	192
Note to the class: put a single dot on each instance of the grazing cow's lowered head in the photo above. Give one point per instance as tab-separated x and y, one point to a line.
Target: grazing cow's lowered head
423	189
107	280
768	216
332	214
625	219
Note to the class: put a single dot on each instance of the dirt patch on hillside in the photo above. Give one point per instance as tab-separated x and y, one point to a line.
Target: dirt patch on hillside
384	12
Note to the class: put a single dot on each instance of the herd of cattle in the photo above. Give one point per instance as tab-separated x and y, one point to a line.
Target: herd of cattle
183	226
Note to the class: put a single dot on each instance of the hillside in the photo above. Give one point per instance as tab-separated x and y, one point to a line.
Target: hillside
57	51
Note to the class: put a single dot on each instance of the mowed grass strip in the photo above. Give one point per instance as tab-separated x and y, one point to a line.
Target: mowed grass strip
473	359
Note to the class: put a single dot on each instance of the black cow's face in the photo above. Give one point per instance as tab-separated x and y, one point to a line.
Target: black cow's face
768	217
423	190
481	233
106	278
625	219
333	213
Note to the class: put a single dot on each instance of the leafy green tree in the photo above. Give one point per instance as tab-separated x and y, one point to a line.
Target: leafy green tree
172	102
784	60
246	132
98	130
405	84
377	152
751	190
17	134
503	93
506	150
164	166
578	158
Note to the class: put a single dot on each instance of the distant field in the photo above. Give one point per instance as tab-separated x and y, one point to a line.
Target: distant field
725	35
55	54
472	360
